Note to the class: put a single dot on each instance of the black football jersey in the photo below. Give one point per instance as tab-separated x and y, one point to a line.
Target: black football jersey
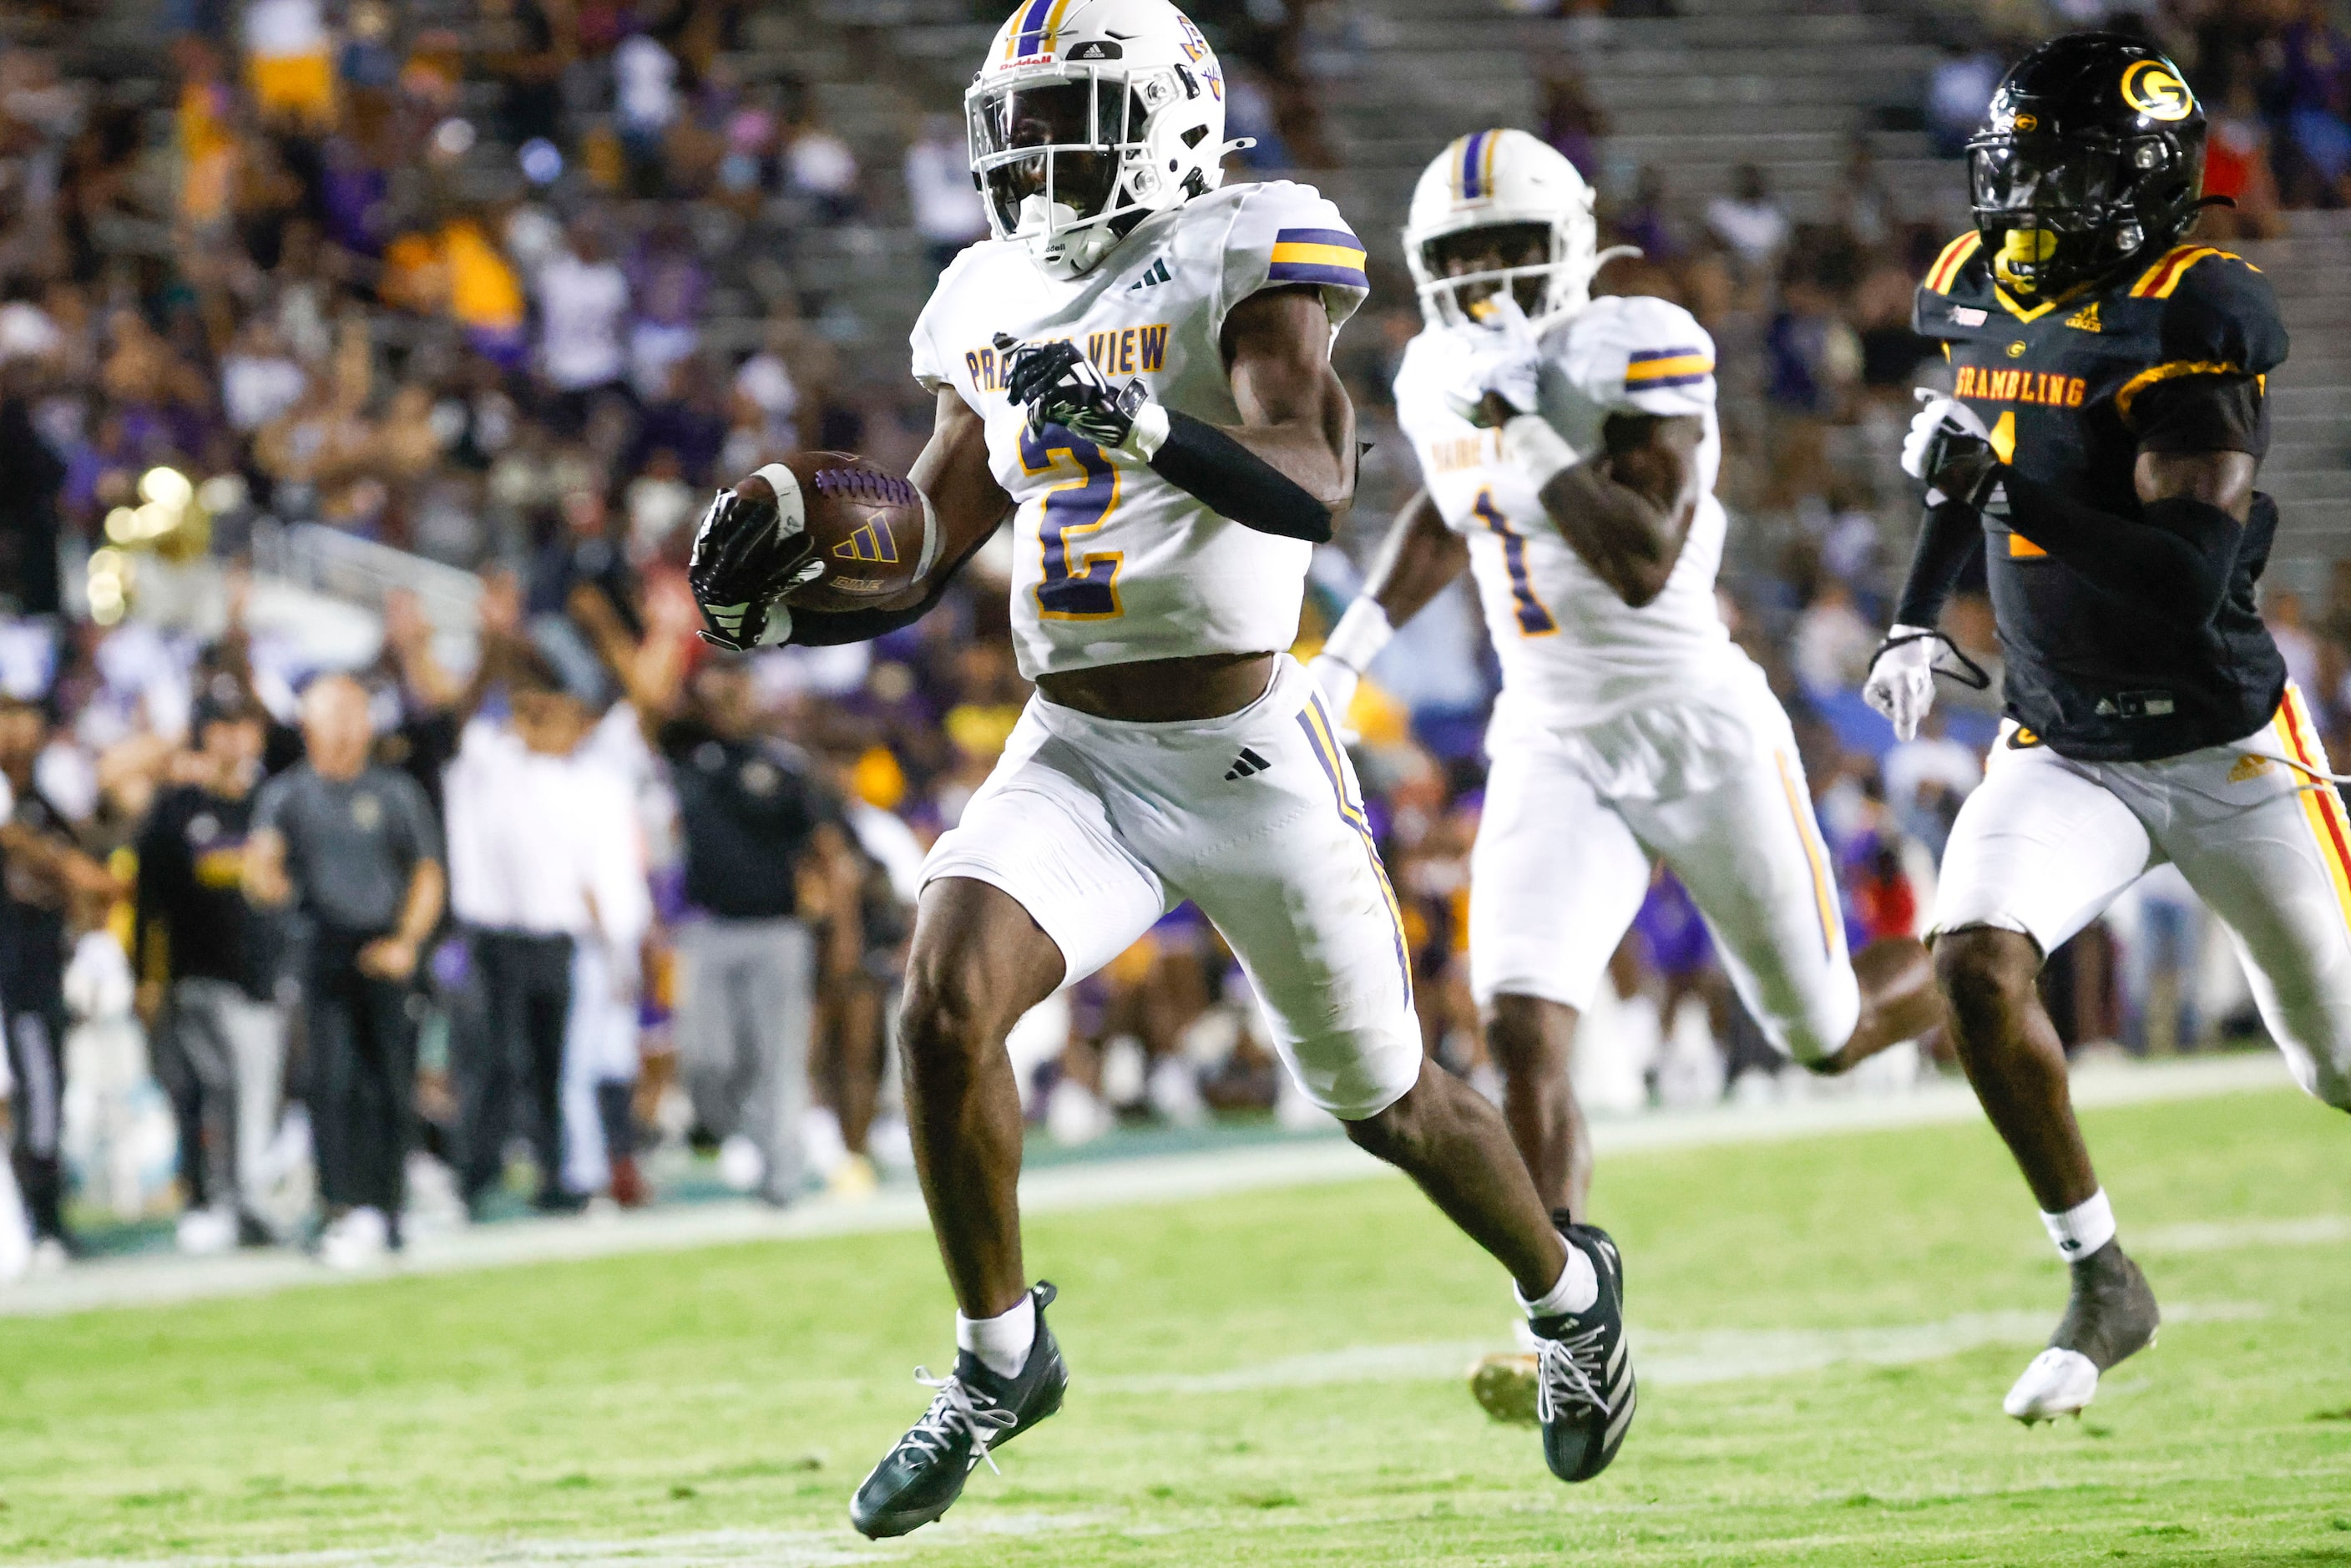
2173	356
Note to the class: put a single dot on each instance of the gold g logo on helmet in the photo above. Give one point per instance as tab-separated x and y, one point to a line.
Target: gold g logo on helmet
2026	122
2155	90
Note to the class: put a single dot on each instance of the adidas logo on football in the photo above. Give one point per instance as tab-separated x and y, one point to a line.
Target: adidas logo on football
2085	319
1248	765
871	542
1157	272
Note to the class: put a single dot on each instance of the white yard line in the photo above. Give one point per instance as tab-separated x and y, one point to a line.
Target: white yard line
1665	1358
700	1549
164	1279
2229	1235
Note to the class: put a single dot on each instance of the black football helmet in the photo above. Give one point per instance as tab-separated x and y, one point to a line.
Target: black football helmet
2092	154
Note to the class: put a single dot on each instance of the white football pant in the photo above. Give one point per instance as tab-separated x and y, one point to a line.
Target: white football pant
2046	844
1098	827
1713	788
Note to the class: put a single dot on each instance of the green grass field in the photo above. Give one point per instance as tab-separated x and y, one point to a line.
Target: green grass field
1272	1379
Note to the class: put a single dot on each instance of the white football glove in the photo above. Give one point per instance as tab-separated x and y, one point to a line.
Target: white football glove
1506	358
1938	426
1901	684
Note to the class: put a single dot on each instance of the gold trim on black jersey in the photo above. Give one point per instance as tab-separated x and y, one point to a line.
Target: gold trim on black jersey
2127	392
2158	281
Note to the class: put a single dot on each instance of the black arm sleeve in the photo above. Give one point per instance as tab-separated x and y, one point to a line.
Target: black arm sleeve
1205	463
1947	536
2178	562
830	628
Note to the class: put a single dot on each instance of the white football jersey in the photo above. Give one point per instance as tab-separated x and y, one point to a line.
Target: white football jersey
1111	565
1572	650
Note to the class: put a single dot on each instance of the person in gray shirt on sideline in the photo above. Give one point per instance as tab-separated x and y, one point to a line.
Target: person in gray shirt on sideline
353	848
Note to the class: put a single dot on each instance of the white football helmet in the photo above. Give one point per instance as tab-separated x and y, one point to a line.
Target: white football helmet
1493	177
1088	117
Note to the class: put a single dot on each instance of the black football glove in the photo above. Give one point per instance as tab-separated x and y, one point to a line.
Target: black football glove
747	556
1061	386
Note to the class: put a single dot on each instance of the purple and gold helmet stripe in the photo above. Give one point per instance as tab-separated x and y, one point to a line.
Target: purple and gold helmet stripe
1317	256
1473	176
1647	368
1037	30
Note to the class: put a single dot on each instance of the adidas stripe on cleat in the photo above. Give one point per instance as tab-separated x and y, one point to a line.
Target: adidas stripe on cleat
1586	1392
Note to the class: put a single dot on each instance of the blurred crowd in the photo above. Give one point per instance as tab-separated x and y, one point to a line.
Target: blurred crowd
384	847
2274	76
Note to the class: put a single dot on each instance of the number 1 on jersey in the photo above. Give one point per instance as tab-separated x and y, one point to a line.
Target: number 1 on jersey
2003	447
1087	588
1534	621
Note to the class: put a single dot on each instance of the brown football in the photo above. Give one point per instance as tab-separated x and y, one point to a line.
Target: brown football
868	525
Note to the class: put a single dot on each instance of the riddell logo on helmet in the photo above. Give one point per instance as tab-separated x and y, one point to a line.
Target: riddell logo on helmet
2155	90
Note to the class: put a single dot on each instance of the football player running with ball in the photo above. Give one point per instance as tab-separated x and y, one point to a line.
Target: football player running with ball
1137	370
2101	449
1570	463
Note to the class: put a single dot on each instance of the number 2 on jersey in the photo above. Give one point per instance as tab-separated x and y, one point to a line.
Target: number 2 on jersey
1083	588
1534	621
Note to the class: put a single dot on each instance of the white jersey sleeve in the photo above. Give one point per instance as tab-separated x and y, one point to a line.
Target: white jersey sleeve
1283	234
1638	354
934	365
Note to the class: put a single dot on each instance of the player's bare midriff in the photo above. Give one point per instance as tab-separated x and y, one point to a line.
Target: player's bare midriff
1163	691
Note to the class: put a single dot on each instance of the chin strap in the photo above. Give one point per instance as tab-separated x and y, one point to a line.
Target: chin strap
1970	674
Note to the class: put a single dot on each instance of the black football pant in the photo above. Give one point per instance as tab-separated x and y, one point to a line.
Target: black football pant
511	1070
36	1060
362	1082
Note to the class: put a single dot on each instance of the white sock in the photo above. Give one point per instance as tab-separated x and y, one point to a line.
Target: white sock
1577	1290
1000	1343
2083	1228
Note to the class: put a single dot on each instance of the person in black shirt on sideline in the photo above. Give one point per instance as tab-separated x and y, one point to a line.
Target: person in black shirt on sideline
202	954
2110	413
352	846
755	820
46	875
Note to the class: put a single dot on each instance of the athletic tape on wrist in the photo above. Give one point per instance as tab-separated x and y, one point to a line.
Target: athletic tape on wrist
1150	433
1540	453
1360	635
929	557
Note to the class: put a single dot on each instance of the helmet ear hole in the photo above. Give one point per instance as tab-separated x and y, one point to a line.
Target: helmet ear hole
1194	137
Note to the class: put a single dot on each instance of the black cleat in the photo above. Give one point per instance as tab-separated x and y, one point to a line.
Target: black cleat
975	1411
2111	1316
1586	1391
